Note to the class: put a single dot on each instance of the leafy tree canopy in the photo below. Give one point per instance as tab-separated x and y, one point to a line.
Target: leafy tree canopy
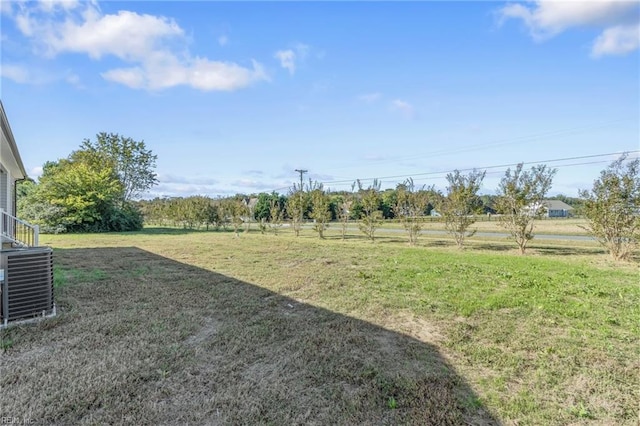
612	207
133	163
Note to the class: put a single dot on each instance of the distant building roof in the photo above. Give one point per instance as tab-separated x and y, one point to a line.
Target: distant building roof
251	202
556	205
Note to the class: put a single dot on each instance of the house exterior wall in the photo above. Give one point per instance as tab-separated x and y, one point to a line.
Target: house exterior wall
11	166
557	213
6	200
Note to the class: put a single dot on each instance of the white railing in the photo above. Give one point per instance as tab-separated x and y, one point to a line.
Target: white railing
17	231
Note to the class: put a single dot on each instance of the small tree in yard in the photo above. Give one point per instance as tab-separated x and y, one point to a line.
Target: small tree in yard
235	209
275	214
344	210
409	208
612	207
295	207
212	214
371	214
520	196
461	204
320	212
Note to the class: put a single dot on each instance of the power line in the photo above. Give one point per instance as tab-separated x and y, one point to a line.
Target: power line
483	168
442	173
499	142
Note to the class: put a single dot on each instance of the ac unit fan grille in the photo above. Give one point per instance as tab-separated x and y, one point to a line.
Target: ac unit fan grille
28	287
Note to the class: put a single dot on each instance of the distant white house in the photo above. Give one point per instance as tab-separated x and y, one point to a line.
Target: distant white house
551	208
557	208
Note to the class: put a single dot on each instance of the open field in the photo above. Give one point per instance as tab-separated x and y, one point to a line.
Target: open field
545	226
555	226
171	326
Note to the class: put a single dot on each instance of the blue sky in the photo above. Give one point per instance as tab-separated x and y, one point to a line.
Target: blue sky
233	97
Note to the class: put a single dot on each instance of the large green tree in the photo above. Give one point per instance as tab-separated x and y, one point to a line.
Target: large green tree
91	189
612	207
520	200
133	163
83	191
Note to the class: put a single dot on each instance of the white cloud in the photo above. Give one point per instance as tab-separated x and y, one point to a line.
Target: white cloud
134	78
254	185
302	50
17	73
74	80
290	57
154	47
6	8
617	40
37	76
179	185
185	190
403	107
370	97
169	179
51	5
126	35
547	18
287	60
199	73
35	172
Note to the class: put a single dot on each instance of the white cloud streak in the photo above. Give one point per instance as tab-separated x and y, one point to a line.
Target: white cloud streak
154	47
403	107
35	172
287	60
17	73
370	97
619	21
51	5
38	76
290	58
617	40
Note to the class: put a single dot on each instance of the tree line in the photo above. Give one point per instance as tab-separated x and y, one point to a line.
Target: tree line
611	207
95	188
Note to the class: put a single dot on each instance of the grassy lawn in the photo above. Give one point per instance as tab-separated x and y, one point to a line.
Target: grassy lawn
171	326
554	226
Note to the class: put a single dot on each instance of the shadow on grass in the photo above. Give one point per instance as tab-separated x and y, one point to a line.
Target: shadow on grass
437	242
156	341
567	251
493	246
168	230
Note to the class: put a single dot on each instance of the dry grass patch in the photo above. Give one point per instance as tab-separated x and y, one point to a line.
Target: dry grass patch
143	338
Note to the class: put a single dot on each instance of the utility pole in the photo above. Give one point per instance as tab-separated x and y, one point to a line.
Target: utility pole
302	172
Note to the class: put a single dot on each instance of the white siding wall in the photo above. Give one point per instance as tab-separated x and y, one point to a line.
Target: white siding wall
6	202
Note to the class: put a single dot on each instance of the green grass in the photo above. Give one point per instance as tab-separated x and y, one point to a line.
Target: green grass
170	325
